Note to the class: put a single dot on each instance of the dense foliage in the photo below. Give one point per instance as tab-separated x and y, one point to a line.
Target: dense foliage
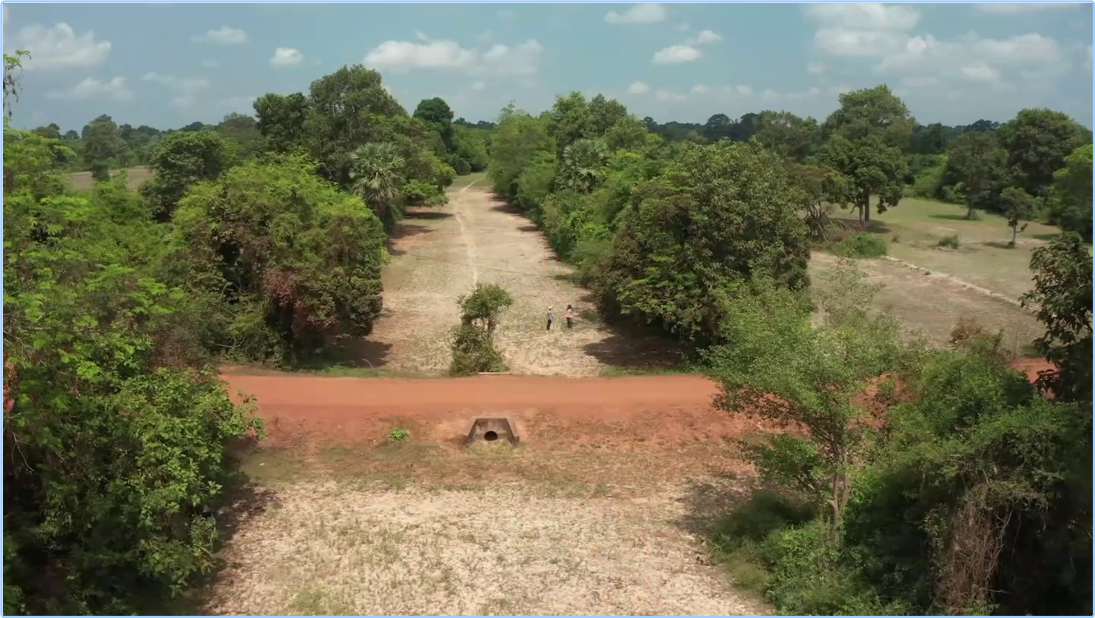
473	348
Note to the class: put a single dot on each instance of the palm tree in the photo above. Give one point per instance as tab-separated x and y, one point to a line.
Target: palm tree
376	175
584	162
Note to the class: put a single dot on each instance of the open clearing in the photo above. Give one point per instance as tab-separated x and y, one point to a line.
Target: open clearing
602	509
439	254
136	176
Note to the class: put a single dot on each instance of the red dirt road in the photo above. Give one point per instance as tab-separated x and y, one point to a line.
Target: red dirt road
656	410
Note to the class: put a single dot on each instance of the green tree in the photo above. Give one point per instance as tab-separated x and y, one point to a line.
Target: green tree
377	181
244	132
866	136
1070	201
979	163
118	426
1018	207
605	114
1062	298
473	348
281	120
471	145
101	147
436	114
515	141
569	121
788	135
584	164
1037	142
293	260
179	161
777	366
719	215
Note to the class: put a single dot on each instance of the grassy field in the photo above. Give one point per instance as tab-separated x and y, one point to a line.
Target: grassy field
913	230
137	176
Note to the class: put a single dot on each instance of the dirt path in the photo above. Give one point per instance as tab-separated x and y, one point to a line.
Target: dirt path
440	253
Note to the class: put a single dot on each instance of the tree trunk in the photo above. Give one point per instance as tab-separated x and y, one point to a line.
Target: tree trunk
865	208
1014	233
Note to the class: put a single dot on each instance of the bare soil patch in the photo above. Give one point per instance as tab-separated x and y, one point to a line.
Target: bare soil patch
136	177
931	302
441	253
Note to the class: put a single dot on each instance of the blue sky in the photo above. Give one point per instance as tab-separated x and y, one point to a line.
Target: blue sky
167	65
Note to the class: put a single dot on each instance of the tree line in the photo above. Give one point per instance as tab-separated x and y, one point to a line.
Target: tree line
910	479
256	240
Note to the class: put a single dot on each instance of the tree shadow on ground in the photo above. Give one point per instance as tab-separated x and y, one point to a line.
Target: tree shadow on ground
407	230
528	228
997	244
241	500
429	215
503	206
637	348
349	353
709	500
850	223
1046	236
950	217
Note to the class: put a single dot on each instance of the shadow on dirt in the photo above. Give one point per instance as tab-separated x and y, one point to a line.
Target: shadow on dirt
407	230
710	500
428	215
349	353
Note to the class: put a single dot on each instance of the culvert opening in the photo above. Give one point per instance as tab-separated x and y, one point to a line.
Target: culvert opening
490	436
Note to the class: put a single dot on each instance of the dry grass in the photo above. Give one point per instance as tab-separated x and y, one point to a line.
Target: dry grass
983	257
441	253
494	550
933	303
136	177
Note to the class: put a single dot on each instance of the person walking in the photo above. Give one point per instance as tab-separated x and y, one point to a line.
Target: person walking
551	317
570	316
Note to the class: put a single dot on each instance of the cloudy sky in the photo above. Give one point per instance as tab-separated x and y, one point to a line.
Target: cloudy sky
167	65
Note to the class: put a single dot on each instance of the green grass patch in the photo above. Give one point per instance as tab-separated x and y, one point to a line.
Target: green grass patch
949	242
860	245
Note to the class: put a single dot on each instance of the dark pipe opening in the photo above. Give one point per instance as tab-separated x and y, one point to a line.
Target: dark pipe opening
490	436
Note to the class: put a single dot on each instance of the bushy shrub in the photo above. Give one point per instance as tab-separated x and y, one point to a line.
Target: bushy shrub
860	245
473	348
949	242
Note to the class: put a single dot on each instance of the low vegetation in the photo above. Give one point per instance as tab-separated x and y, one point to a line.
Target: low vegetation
473	349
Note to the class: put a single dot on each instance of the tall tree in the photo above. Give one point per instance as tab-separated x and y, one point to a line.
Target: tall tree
584	164
569	121
101	146
979	162
437	115
788	135
604	114
1037	141
866	137
281	120
1018	206
376	179
1070	203
717	127
181	160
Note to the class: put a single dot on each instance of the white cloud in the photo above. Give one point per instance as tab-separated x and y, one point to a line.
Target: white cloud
93	88
681	27
815	68
286	57
400	56
977	59
223	35
638	88
211	64
1015	8
699	89
677	54
506	14
58	47
639	14
484	36
186	85
479	85
736	92
861	43
865	16
705	36
406	55
421	36
667	96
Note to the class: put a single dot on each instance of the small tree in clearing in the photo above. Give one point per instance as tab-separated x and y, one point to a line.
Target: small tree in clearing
473	340
1018	207
777	366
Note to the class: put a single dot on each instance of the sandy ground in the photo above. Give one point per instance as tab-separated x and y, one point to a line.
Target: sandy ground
499	551
441	253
